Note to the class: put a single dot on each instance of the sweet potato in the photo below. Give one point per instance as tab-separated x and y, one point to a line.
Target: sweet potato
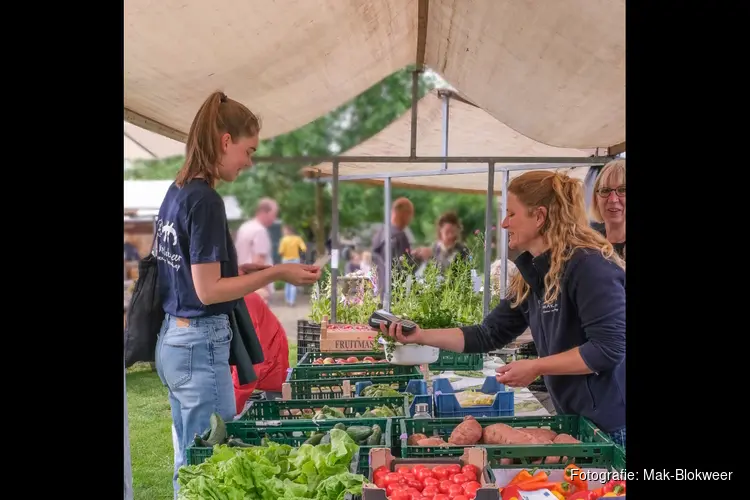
415	438
504	434
433	441
561	439
546	434
468	432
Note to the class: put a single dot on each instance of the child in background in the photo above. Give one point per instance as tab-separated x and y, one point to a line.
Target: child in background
291	247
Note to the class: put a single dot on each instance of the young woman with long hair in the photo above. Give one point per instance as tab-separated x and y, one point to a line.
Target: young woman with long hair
199	277
569	290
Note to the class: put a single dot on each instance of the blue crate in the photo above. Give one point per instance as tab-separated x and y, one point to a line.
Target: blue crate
416	387
446	404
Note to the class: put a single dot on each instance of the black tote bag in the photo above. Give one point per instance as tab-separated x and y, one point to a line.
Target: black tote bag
145	315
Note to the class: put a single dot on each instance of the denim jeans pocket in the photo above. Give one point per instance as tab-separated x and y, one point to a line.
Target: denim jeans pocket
177	363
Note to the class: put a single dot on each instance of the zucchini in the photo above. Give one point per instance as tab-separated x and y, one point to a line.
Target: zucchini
200	442
374	438
340	426
218	430
359	432
238	443
315	438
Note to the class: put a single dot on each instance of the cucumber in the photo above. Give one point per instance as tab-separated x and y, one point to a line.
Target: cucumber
238	443
340	426
200	442
218	430
359	432
315	438
374	438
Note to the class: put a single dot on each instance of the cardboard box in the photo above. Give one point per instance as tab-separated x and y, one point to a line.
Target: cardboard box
337	338
474	456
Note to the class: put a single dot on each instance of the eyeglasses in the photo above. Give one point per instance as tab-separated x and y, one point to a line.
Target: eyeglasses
605	191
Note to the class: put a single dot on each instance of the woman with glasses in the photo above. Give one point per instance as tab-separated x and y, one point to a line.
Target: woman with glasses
608	204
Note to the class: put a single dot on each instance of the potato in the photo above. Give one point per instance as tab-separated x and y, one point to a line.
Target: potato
415	438
546	434
468	432
434	441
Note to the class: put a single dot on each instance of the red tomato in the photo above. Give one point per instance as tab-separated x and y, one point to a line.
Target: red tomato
453	469
441	496
422	474
430	491
409	476
403	470
470	470
455	490
440	472
460	478
471	488
460	497
431	481
380	482
413	483
380	472
399	495
417	468
392	478
444	485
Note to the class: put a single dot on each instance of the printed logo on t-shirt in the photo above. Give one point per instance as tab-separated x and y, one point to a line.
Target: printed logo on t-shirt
167	242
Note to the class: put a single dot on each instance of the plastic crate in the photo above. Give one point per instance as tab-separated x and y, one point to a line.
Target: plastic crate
447	405
305	368
308	338
595	450
293	433
316	387
416	387
457	361
297	409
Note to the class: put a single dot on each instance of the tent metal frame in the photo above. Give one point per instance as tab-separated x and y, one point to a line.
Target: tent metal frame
509	164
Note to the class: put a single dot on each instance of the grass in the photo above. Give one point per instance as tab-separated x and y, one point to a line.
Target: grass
150	421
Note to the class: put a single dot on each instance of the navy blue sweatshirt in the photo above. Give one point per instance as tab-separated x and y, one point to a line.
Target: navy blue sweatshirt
589	313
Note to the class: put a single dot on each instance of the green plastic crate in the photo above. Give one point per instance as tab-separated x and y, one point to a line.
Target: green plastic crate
334	387
596	449
458	361
293	433
305	368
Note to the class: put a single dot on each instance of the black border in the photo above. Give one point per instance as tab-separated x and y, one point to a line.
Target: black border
679	327
684	117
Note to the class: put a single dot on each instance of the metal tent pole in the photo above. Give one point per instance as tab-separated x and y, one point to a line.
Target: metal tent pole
387	237
487	242
446	120
128	493
334	240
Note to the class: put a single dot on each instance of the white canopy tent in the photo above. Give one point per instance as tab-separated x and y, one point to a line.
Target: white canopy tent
142	144
553	71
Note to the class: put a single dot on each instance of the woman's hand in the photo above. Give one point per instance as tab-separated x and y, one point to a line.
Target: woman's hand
519	373
299	274
395	331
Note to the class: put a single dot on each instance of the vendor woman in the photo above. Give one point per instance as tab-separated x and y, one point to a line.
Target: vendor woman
570	291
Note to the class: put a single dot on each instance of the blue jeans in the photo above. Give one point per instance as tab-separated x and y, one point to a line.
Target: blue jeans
619	437
290	291
192	360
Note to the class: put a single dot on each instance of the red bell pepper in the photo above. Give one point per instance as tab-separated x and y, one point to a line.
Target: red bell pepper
583	495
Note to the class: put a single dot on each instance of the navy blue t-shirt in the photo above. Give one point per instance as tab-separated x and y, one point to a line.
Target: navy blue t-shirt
193	229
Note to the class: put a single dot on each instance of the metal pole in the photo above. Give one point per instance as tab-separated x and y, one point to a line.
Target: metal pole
524	160
334	240
446	119
128	494
487	243
387	237
414	99
504	236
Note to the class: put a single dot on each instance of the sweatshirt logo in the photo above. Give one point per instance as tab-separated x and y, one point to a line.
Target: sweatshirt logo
550	308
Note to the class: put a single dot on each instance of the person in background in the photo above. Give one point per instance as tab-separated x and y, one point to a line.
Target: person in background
353	264
272	371
569	290
608	204
365	264
402	213
448	245
253	240
199	282
291	247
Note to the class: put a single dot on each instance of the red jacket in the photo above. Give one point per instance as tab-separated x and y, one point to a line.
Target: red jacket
272	371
